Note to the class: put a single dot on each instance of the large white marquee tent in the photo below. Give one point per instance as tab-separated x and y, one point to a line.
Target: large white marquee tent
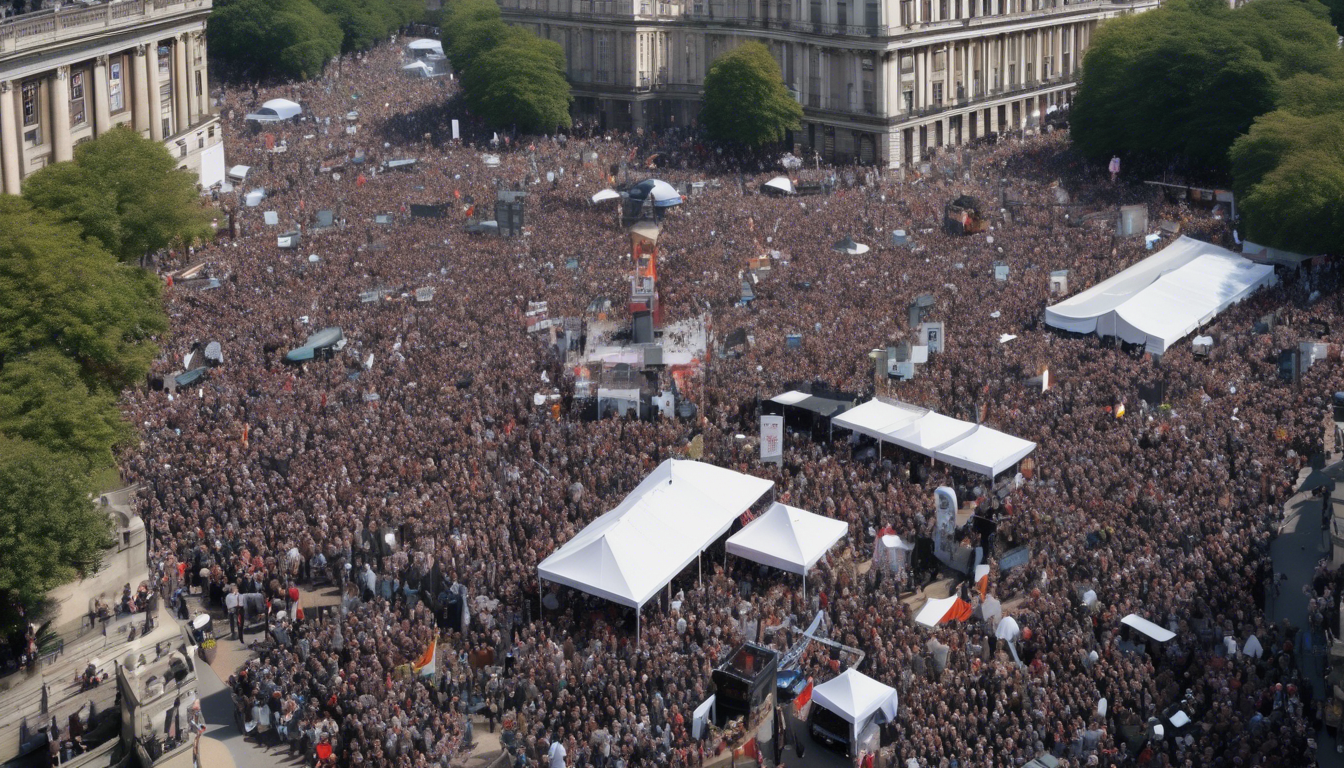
631	552
1165	297
788	538
963	444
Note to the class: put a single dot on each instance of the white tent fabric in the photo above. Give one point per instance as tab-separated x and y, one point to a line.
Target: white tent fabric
629	553
606	194
792	397
283	108
858	699
973	447
1007	629
782	184
418	68
1158	633
986	451
1165	297
239	172
787	538
426	46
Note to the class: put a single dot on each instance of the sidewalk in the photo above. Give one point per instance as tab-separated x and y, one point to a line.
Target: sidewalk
1299	547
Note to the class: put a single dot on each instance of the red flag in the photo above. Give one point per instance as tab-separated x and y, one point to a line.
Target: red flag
457	194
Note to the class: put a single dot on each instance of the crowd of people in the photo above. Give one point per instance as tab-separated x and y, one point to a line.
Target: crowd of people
415	473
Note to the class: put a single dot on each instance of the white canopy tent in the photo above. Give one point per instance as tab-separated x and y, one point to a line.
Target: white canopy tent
780	184
788	538
418	69
858	699
664	524
606	194
283	108
963	444
986	451
425	46
1165	297
1159	633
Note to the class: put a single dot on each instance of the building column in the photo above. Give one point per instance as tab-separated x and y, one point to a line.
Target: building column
102	116
181	99
60	115
9	141
918	86
139	90
155	91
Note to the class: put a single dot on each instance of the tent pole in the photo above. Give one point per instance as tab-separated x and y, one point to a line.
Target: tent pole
804	592
700	569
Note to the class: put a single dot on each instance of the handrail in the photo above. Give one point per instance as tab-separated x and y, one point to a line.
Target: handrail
43	27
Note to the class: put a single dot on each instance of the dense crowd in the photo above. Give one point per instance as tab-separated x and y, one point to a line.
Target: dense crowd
414	470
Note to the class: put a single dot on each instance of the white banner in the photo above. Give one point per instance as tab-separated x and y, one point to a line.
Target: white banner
772	437
945	527
457	133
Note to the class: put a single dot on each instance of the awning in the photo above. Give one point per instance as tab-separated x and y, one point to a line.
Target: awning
986	451
606	194
973	447
1158	633
787	538
780	185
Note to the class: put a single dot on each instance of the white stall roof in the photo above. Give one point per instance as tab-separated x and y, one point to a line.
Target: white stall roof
1158	633
426	45
792	397
857	698
986	451
239	172
629	553
930	432
787	538
878	419
1164	297
271	217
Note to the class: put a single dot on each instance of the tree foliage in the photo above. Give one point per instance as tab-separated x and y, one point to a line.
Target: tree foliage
745	101
521	83
60	290
265	38
49	531
124	191
45	399
471	28
1182	82
364	23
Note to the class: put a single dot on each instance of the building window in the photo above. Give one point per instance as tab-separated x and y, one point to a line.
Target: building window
908	98
116	98
907	65
937	94
77	116
842	15
31	103
199	86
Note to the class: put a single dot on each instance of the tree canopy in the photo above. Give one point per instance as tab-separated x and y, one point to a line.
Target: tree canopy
265	38
364	23
59	290
49	531
745	101
1182	82
521	83
124	191
45	399
510	76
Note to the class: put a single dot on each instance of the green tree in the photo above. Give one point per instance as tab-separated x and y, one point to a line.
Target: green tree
745	100
49	530
124	191
365	23
471	28
1288	175
520	82
60	290
44	398
267	38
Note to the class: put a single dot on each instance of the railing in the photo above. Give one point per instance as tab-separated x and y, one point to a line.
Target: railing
793	25
31	30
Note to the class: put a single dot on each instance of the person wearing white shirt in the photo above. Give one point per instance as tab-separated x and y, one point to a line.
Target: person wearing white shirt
556	755
231	605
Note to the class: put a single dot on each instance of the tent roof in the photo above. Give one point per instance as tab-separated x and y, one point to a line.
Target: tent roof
986	451
973	447
780	183
792	397
664	195
425	44
283	107
848	245
856	697
629	553
606	194
1164	297
787	538
1158	633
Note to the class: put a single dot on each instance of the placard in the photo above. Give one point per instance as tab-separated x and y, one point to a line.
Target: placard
772	438
457	132
945	527
1014	557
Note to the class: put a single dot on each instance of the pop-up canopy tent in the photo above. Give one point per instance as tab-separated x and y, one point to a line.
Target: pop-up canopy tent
850	247
425	47
858	699
418	69
788	538
973	447
1165	297
606	194
323	340
780	185
664	195
629	553
276	110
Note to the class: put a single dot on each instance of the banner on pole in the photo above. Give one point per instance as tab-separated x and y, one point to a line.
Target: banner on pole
772	438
